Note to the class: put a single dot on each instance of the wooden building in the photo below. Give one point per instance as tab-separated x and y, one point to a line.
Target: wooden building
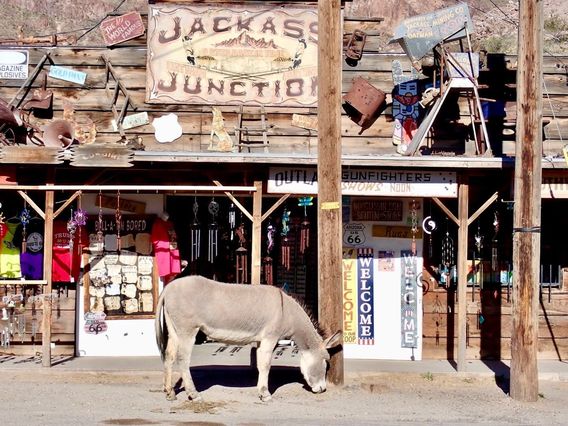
253	196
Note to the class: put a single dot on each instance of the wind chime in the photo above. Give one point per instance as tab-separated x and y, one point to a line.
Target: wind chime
448	258
414	225
213	228
267	260
438	309
286	245
241	255
477	262
305	202
25	217
118	219
195	233
495	243
100	235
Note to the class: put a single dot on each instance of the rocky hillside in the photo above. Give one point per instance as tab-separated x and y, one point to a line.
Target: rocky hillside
495	20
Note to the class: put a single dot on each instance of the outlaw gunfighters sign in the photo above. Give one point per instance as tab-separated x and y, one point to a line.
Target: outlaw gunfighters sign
234	54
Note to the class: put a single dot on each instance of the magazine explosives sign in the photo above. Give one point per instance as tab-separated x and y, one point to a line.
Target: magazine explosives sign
233	54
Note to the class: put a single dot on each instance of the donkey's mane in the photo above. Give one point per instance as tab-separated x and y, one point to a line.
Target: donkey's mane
308	312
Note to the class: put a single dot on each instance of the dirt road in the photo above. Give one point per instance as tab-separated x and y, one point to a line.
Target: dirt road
65	398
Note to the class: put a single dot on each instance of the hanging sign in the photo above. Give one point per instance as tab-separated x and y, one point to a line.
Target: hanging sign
101	156
227	54
121	28
409	300
67	74
13	64
368	182
365	303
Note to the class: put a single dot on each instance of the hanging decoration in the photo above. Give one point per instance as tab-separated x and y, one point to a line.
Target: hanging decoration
495	243
195	231
414	225
3	228
267	260
477	262
305	202
448	258
232	222
118	218
241	255
213	228
438	309
286	243
25	217
100	235
428	226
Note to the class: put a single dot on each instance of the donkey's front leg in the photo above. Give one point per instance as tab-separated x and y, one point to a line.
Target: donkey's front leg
263	360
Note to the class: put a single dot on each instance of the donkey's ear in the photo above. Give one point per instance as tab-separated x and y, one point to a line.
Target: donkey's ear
333	340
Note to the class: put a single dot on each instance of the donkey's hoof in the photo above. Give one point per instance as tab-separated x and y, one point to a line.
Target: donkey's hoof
195	398
171	396
265	398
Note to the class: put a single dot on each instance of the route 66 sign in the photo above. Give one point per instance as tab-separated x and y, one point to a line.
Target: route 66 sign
353	234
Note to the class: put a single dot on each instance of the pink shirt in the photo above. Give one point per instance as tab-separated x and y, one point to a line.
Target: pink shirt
164	241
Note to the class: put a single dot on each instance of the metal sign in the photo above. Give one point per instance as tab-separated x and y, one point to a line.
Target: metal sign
118	29
14	64
67	74
371	182
420	34
232	54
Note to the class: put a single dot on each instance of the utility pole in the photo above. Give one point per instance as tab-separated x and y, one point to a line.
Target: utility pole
527	216
329	175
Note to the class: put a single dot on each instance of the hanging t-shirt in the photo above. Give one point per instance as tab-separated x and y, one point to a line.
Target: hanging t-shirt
67	259
166	252
10	253
31	257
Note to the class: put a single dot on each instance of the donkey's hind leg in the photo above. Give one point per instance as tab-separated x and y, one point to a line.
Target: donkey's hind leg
186	347
263	360
169	359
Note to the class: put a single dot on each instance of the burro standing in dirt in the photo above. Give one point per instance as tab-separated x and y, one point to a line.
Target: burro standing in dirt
236	314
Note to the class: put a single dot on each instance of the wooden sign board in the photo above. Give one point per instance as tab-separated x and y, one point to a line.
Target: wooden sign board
132	120
385	231
305	121
23	154
118	29
130	206
101	156
377	210
67	74
232	54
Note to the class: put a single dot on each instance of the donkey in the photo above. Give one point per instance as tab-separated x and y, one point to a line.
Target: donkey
237	314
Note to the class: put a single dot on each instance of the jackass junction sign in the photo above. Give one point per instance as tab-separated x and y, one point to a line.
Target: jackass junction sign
232	54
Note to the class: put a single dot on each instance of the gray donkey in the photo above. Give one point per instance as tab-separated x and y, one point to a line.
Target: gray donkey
237	314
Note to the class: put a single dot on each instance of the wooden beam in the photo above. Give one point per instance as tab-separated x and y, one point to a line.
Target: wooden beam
47	268
480	210
277	204
463	206
130	188
235	201
66	203
330	56
527	216
32	203
448	212
256	243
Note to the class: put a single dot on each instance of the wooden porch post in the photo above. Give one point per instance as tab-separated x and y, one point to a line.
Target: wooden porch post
47	267
256	249
463	213
330	56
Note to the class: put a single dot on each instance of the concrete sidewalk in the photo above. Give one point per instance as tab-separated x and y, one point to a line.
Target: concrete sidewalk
216	354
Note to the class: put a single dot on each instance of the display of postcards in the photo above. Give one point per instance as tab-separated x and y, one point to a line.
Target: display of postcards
128	257
130	306
111	242
96	304
95	246
116	279
112	303
129	290
96	291
129	274
127	241
112	289
143	243
145	265
144	282
113	270
111	259
146	301
99	277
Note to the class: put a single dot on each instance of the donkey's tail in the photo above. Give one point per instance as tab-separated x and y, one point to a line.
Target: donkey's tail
161	325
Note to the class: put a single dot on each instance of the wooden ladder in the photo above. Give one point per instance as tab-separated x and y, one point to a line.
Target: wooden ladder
252	130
